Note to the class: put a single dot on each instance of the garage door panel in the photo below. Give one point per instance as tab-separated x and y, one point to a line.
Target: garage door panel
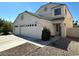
35	32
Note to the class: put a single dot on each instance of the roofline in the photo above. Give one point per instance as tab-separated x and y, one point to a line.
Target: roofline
39	9
33	14
28	13
47	4
15	19
55	6
69	10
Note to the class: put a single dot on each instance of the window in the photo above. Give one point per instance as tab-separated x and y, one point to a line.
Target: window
22	17
35	24
45	9
57	11
32	25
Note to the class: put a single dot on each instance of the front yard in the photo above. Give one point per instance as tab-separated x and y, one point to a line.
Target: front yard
16	46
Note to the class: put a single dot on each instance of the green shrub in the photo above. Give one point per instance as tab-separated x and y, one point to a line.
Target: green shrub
5	26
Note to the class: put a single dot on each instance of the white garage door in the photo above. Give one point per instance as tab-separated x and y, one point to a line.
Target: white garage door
16	30
34	32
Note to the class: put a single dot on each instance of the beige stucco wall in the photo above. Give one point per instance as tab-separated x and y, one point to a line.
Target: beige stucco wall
73	32
28	31
48	24
68	19
63	30
50	11
63	27
32	31
29	19
67	23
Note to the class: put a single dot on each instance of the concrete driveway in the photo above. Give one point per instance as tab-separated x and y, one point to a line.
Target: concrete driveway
10	41
13	45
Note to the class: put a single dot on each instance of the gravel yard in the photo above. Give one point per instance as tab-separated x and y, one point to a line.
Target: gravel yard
22	50
61	47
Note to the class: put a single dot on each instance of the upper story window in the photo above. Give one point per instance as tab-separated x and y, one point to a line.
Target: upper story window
45	9
22	17
57	11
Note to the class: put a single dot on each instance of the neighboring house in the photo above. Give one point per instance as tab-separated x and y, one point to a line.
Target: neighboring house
53	16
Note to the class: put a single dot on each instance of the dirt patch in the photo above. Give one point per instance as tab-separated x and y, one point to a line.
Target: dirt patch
62	43
21	50
62	47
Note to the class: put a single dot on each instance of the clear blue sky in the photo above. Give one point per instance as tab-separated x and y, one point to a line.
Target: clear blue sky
10	10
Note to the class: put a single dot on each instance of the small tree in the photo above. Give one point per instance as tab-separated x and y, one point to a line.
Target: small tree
7	27
1	24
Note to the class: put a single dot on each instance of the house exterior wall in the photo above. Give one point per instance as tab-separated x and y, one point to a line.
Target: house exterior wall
41	23
48	24
63	27
32	31
68	22
50	11
63	30
68	18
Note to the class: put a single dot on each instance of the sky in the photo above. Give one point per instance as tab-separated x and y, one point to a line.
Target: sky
10	10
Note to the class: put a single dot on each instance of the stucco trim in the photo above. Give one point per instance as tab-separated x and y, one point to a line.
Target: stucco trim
61	18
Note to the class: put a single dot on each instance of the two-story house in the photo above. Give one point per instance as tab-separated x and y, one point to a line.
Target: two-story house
53	16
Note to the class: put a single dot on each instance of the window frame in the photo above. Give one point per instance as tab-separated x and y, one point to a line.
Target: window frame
57	11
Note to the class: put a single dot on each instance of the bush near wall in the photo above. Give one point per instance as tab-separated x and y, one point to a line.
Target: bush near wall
45	34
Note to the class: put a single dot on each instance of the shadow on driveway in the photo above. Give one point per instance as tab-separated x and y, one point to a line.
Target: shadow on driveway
61	43
39	41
